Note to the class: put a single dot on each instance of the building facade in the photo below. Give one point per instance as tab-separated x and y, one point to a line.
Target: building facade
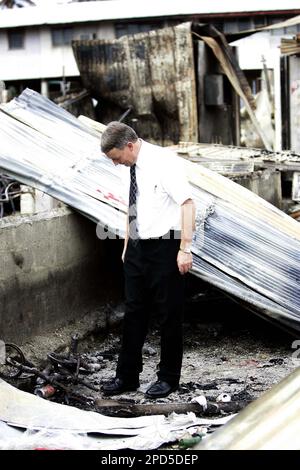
35	42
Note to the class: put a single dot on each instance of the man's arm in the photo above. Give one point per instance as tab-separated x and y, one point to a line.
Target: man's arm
184	257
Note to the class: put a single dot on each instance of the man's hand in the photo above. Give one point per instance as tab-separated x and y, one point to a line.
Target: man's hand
184	261
124	251
185	257
124	248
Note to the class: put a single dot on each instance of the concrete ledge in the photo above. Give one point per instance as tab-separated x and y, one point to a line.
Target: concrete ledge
264	183
53	271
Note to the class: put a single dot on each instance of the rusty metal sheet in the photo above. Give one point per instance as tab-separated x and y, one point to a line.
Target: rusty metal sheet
150	73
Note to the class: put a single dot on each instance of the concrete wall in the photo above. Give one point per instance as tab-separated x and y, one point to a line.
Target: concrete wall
265	183
53	270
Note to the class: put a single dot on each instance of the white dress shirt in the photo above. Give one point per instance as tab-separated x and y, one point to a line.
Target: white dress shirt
162	188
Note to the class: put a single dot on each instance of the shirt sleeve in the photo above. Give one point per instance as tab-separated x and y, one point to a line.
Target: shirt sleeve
174	179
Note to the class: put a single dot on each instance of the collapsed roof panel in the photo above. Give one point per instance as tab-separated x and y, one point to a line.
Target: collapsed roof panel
151	74
242	244
46	147
232	160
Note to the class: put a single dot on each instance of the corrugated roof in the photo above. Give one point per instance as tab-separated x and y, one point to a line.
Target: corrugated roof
242	244
121	9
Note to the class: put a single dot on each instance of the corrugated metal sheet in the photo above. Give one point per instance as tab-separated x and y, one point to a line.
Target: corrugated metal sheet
227	159
151	73
153	76
242	244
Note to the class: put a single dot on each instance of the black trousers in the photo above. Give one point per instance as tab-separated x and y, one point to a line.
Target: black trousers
152	283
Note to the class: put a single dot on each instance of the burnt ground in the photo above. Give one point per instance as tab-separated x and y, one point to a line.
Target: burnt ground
227	349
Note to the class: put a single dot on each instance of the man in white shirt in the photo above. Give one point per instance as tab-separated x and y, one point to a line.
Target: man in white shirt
156	255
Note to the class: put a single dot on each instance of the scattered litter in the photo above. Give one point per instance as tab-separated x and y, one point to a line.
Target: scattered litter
201	400
224	398
60	426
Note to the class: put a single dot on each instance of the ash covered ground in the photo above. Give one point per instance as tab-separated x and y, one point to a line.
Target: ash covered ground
226	350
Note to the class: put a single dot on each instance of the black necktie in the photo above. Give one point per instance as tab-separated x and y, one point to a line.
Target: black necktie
133	232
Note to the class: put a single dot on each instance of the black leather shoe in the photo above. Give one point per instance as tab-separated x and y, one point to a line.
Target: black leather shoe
160	389
117	385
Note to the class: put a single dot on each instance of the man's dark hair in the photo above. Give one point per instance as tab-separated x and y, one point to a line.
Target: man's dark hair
117	135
